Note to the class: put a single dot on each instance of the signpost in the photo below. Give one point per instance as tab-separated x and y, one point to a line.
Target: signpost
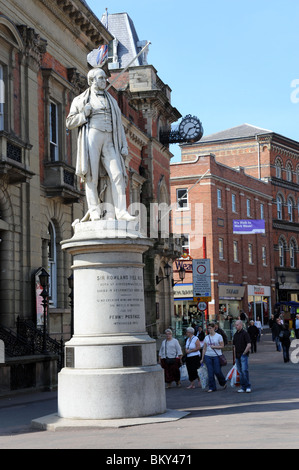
202	280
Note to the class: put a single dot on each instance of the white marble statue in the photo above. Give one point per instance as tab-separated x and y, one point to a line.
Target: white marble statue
102	150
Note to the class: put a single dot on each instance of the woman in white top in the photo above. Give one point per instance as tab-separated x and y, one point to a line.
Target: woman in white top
193	356
213	343
170	356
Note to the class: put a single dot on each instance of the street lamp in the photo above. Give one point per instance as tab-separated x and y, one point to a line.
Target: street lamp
182	273
167	270
71	296
44	282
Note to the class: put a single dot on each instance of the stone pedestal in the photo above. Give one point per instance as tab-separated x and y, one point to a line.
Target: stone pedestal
111	367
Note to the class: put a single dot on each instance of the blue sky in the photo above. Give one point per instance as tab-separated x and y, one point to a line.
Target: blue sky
227	61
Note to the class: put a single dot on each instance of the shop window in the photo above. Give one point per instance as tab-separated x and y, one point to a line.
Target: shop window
182	198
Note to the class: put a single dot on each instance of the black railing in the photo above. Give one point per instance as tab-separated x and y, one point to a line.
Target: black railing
28	340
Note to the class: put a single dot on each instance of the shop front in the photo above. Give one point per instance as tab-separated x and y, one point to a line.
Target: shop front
259	303
230	306
185	309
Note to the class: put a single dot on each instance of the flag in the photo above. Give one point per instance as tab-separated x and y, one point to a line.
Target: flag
102	54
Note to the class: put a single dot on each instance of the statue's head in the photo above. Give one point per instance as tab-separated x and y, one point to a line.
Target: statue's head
97	78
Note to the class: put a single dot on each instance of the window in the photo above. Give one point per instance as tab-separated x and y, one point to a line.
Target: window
292	255
2	99
278	167
221	248
182	198
186	243
250	253
281	253
52	265
53	119
248	207
219	199
279	207
234	209
264	256
236	254
289	172
297	175
262	212
290	209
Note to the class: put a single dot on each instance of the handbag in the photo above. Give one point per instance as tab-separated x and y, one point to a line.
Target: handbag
222	358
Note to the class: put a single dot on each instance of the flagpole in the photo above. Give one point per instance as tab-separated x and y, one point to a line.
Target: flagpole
125	69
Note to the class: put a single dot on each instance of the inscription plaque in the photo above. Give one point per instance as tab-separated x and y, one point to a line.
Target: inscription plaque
70	357
132	356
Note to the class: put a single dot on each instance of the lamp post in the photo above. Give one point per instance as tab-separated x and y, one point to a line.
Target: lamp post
182	273
44	282
167	270
71	296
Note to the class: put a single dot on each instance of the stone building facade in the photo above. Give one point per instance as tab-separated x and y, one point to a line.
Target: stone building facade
43	66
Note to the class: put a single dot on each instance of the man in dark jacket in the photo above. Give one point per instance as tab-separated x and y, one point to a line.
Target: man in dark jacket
253	332
242	344
276	329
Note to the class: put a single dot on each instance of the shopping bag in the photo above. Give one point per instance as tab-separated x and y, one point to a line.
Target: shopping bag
292	334
203	376
234	376
184	373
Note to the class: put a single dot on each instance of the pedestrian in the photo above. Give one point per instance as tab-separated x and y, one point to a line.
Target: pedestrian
192	356
242	345
170	357
296	325
284	337
213	342
244	317
253	332
201	336
271	323
221	332
258	324
276	329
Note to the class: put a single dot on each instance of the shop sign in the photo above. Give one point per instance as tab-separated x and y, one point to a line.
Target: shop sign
259	290
231	291
182	291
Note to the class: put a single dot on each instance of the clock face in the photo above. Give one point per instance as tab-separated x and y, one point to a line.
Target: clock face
190	128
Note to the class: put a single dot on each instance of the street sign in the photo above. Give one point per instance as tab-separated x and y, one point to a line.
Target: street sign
201	278
202	306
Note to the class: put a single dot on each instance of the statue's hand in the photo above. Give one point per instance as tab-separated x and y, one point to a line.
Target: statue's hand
87	110
124	152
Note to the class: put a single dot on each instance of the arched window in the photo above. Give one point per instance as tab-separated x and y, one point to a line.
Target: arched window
279	207
290	209
278	168
281	253
52	265
289	172
292	254
297	174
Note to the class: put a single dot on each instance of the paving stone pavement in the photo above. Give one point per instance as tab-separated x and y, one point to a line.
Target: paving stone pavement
266	418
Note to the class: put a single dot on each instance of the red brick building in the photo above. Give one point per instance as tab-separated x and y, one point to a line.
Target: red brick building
265	186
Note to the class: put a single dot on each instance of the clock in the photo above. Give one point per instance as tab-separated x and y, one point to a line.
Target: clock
191	129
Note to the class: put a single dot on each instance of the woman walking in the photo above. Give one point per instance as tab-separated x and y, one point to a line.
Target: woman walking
192	356
213	342
170	356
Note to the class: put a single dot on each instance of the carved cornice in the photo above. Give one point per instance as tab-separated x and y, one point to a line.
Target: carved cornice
78	18
34	46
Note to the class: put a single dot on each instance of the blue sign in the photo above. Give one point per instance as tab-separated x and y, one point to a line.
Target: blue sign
247	227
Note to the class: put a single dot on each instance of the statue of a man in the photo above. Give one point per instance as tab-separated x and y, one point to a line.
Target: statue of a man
102	149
